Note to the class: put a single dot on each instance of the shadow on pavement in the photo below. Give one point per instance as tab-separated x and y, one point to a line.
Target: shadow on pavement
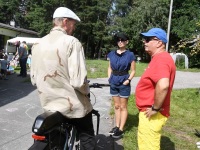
14	89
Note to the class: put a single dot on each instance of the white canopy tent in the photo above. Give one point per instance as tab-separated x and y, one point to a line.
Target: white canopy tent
29	41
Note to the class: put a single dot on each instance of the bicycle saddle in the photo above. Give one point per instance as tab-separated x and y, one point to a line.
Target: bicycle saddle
46	121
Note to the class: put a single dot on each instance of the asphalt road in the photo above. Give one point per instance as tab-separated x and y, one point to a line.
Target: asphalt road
19	105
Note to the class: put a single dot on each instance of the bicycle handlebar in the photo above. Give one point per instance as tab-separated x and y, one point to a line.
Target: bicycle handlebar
98	85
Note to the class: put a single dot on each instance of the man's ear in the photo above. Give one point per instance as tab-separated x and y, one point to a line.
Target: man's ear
160	43
127	41
65	21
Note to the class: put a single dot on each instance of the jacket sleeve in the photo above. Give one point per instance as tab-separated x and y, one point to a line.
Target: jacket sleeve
77	68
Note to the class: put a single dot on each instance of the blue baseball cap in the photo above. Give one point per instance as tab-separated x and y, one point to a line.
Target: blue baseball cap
157	32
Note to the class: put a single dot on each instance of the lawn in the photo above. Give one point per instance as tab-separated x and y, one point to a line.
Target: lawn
178	133
99	68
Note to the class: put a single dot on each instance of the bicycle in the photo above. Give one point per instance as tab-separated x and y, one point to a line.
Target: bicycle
53	131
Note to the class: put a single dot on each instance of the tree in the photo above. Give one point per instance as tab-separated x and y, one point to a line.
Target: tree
118	13
185	29
185	16
90	30
142	16
39	15
13	10
9	11
100	20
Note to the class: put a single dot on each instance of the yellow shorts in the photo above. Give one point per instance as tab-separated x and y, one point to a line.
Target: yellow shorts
149	131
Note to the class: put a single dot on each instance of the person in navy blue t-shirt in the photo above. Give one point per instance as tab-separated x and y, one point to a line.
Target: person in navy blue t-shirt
120	62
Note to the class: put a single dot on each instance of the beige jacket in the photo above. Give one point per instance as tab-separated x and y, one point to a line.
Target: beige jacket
59	72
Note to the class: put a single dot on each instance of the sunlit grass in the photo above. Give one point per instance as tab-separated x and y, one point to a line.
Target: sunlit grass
189	70
99	68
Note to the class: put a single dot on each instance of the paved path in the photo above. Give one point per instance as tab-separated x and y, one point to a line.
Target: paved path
19	105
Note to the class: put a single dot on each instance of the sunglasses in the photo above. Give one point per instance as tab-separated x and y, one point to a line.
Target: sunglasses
148	39
121	40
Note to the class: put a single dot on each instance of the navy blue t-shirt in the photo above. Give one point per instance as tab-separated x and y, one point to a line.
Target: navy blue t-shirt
120	62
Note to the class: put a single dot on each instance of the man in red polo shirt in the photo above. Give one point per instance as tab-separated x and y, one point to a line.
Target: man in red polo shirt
154	90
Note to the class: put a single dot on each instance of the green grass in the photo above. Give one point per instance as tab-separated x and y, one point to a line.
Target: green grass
189	70
99	68
178	133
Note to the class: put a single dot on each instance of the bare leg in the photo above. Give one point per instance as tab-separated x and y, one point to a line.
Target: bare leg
117	110
123	112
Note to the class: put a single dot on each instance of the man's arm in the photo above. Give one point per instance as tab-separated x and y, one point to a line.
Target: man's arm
77	69
16	54
161	91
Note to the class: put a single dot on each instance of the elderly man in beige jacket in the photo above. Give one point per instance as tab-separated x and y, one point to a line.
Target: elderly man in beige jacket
58	71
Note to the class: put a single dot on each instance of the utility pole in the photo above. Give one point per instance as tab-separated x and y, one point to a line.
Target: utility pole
169	25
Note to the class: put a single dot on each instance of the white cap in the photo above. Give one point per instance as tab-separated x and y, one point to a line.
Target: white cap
65	12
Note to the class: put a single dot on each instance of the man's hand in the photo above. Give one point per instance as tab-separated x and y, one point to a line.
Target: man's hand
149	112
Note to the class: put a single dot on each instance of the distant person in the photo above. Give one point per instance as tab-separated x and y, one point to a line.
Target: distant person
23	55
58	70
120	62
4	67
154	89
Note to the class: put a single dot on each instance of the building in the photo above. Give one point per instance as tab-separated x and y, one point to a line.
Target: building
10	31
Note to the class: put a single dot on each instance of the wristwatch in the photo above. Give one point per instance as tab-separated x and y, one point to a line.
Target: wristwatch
129	80
152	107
